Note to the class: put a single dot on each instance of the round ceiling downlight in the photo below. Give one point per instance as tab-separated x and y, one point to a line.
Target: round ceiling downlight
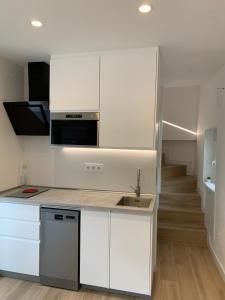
36	23
145	8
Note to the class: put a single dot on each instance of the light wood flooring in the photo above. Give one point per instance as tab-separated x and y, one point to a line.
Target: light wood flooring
184	272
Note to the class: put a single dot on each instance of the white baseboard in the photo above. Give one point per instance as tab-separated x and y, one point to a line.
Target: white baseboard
216	260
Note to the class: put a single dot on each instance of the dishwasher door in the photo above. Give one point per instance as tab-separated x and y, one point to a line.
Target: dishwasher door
59	248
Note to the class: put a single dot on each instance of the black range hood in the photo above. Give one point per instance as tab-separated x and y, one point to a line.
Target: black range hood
32	117
28	118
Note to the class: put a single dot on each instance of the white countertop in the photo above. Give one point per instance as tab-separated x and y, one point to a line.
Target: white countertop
72	198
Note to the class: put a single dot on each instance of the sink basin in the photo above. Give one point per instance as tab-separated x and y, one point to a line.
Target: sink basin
135	202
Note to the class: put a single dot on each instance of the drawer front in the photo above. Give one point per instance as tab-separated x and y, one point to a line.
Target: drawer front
20	256
20	229
19	211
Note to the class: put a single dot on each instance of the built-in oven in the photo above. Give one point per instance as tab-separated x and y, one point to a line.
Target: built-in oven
75	129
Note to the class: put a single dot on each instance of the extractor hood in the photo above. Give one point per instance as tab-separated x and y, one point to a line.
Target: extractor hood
32	117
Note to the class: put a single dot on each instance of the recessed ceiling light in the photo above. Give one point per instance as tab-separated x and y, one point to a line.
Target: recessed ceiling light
36	23
145	8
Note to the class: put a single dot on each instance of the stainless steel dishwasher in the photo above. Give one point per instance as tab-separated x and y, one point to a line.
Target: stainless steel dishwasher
59	248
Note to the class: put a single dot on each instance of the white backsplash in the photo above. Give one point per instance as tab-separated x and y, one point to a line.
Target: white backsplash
64	167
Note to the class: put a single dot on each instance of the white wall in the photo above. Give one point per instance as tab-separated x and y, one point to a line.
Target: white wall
180	107
181	153
65	167
212	115
208	111
11	89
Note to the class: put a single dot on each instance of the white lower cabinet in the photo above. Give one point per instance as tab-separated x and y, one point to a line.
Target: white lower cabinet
116	250
20	229
94	252
130	253
19	255
19	238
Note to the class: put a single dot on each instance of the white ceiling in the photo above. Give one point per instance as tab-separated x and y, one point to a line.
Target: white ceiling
190	33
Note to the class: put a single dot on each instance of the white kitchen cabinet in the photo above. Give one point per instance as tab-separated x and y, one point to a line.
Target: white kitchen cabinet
130	253
19	238
94	254
20	229
19	211
74	83
19	255
128	98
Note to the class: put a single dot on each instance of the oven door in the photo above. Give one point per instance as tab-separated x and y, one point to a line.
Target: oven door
74	132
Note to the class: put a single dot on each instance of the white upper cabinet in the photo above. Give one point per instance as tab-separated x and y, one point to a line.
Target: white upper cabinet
74	83
122	85
128	92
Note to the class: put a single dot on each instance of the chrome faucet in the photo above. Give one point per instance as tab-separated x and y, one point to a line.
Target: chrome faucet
137	189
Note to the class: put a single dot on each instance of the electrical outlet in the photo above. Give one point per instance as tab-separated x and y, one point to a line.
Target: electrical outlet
93	167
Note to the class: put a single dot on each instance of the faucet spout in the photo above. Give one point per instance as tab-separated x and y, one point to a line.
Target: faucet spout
137	189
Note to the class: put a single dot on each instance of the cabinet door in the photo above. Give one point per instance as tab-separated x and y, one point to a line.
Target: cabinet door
74	83
128	99
94	254
19	238
130	253
19	255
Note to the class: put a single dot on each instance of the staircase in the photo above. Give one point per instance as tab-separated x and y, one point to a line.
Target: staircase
180	217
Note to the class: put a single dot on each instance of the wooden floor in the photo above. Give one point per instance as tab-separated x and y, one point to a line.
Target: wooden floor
184	272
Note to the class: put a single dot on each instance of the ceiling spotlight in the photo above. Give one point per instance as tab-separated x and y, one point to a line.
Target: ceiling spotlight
145	8
36	23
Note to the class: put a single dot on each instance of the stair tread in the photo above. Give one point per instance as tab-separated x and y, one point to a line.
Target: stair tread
172	166
180	179
186	209
184	226
180	184
170	194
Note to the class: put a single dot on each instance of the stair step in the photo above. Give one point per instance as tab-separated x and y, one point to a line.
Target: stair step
181	184
172	232
180	199
172	171
181	216
180	208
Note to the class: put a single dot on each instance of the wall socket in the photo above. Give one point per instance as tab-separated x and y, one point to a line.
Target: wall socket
93	167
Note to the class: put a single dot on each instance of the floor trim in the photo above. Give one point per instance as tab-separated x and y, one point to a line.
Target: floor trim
216	260
19	276
108	290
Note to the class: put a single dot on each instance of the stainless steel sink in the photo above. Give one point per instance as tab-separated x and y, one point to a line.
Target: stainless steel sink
135	201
